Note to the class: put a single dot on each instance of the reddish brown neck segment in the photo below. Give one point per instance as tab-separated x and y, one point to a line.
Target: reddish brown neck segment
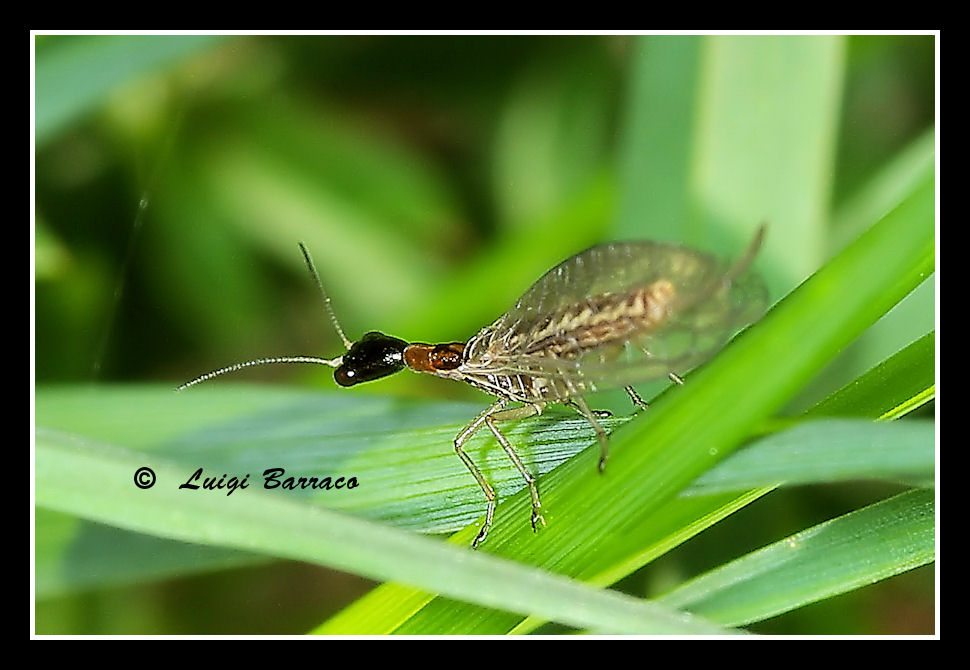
433	357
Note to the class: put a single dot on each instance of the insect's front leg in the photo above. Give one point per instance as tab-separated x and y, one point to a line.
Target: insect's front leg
460	440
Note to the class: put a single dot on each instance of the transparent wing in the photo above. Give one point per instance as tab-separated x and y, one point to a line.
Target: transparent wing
710	301
686	340
615	268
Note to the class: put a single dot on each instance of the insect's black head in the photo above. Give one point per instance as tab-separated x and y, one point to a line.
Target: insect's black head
373	356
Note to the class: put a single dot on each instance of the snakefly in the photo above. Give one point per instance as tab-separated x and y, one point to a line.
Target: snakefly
608	317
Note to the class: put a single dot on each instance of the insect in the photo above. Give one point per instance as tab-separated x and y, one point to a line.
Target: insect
608	317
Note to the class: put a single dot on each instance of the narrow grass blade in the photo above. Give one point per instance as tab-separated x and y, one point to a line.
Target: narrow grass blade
900	175
848	552
72	555
898	385
659	131
95	481
827	451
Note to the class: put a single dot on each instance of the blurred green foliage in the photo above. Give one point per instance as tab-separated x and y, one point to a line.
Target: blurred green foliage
433	178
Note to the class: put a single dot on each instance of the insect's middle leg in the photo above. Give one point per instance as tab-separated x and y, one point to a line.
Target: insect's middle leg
511	415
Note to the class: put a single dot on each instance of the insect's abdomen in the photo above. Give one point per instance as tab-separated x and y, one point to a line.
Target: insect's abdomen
602	321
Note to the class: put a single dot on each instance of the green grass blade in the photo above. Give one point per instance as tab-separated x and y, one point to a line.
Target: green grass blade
765	144
897	386
73	555
95	481
654	161
881	193
399	450
860	398
702	156
848	552
827	451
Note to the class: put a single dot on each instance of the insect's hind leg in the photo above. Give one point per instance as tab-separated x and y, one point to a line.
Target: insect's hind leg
511	415
579	404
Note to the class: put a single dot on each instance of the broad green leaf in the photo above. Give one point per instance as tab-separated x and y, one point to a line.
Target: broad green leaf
765	144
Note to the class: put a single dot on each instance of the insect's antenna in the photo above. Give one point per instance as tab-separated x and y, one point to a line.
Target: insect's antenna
326	298
333	362
742	264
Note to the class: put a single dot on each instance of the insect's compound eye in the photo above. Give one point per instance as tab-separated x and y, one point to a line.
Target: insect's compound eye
345	376
374	356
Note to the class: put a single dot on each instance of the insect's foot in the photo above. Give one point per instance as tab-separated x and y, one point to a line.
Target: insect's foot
602	465
481	537
537	518
602	413
639	404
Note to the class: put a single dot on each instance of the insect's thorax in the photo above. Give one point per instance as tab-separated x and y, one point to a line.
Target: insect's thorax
435	359
450	361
